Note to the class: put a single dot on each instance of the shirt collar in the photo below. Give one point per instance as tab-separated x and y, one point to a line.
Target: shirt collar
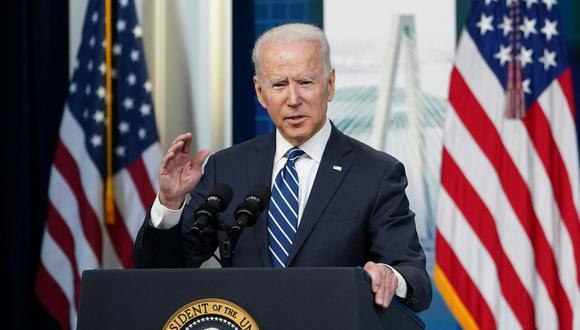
313	147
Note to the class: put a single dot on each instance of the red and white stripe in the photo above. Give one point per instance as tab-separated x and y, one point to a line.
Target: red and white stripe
509	209
76	236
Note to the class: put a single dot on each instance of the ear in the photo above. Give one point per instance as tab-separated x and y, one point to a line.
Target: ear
331	85
259	91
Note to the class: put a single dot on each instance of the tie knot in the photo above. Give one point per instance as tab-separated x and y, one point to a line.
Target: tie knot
294	154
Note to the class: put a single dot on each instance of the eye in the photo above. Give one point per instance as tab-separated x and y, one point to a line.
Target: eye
306	82
278	84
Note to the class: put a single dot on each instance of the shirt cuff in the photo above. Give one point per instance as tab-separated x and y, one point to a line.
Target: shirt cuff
163	217
401	291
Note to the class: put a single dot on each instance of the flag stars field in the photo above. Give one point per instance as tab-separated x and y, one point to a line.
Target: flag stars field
99	116
525	56
145	109
549	3
121	25
123	127
484	24
506	25
101	92
529	3
135	55
148	86
548	59
96	140
120	151
526	86
549	29
142	132
117	49
528	27
128	103
131	79
504	54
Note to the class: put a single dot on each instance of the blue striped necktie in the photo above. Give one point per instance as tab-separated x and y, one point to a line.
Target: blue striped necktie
283	211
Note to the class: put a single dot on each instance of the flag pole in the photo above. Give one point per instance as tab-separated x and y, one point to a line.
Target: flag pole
109	194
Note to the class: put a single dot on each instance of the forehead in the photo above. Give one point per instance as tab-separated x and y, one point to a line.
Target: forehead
278	57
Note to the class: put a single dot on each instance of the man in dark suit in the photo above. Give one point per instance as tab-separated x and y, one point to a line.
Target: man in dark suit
347	204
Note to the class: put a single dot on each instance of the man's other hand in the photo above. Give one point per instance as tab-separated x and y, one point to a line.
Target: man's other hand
179	172
383	283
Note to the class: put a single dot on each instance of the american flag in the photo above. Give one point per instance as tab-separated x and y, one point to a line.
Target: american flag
76	236
508	232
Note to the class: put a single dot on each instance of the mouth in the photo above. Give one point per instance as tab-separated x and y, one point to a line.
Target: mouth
295	119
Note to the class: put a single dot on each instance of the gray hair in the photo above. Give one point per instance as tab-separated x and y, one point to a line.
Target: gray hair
291	33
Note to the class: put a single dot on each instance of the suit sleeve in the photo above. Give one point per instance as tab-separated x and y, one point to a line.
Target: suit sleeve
394	239
177	247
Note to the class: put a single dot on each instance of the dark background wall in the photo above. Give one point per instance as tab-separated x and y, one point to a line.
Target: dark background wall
34	87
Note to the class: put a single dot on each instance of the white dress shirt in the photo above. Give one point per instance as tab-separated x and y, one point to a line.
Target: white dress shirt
306	167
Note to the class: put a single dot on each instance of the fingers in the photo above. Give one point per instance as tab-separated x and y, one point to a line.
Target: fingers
199	158
383	283
170	155
180	144
166	159
375	278
186	138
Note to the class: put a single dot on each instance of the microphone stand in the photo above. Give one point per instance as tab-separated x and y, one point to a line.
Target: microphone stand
229	245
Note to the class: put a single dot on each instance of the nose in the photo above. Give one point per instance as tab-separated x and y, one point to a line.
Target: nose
294	99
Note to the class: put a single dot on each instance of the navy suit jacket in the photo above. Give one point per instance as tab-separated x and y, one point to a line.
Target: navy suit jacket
357	211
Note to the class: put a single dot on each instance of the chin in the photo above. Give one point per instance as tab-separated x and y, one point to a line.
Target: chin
299	133
296	138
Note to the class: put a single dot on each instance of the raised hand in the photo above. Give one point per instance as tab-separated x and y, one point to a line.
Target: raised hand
179	172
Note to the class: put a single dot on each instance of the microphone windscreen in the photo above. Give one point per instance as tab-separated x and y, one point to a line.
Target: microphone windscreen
263	195
224	193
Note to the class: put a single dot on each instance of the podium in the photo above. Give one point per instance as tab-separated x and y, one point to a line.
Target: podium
278	299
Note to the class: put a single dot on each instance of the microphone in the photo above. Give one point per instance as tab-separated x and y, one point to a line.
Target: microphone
217	201
247	212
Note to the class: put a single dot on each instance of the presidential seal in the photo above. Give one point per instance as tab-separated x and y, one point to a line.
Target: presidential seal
211	314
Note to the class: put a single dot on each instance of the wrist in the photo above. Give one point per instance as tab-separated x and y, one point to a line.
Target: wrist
171	203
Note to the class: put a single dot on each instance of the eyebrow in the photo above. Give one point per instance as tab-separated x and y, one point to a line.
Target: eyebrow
284	79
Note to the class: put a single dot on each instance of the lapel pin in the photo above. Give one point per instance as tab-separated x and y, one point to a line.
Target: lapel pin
337	168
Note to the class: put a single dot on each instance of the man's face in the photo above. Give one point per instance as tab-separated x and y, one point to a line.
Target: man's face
291	86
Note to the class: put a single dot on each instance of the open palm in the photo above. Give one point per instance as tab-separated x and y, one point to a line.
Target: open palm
179	172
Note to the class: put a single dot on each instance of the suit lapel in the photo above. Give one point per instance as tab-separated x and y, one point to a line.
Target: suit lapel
333	167
260	166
